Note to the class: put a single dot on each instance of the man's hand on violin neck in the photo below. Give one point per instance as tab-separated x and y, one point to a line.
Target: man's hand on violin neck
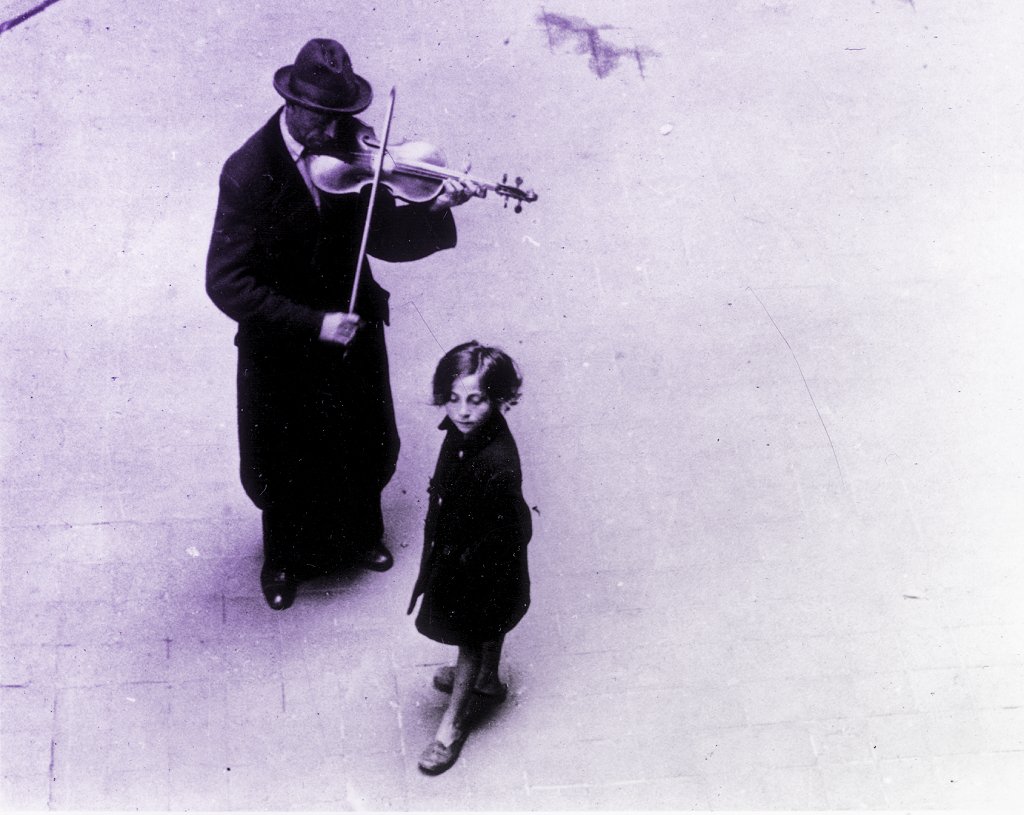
455	192
339	327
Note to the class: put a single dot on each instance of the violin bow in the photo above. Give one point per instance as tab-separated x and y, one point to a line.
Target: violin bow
378	166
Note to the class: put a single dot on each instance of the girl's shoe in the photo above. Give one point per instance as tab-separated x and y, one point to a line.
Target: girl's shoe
444	681
437	757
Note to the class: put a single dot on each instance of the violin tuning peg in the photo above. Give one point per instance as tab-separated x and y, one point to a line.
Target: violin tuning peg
519	180
504	178
519	206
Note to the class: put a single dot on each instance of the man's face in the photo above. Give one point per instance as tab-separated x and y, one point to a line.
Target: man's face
313	129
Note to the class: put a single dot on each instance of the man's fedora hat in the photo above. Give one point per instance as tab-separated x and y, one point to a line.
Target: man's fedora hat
322	79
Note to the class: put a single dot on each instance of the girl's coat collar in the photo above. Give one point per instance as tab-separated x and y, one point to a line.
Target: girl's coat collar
479	440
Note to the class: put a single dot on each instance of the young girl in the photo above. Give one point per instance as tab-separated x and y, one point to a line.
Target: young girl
473	574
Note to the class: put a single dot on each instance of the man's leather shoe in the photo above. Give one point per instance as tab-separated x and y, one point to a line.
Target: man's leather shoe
377	558
279	588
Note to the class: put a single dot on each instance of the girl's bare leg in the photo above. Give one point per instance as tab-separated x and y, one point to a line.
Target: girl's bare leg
488	680
467	668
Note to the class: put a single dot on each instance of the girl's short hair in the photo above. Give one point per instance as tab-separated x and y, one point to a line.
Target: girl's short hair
499	377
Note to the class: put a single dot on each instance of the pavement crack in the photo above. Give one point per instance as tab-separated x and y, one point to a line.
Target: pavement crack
7	25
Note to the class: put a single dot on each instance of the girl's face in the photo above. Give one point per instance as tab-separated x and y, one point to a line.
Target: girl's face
468	406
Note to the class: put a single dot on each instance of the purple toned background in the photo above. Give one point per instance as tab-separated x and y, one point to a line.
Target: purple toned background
768	309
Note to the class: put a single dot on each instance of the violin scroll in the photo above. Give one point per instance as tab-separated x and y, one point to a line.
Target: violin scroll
515	192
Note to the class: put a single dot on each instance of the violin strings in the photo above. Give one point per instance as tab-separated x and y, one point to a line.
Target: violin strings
425	171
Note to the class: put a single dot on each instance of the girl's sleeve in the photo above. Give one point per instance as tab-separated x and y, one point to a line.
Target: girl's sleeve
508	491
505	520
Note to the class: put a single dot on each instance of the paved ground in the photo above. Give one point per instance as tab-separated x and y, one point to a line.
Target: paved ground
768	310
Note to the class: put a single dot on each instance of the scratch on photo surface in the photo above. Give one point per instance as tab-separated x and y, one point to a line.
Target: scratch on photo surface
51	777
432	334
18	19
804	378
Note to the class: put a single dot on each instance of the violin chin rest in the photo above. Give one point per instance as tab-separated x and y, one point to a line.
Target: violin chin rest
331	174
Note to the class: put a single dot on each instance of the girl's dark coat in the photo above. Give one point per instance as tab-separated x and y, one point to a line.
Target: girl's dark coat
474	576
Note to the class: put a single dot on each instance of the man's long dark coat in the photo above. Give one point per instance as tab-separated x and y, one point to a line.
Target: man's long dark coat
316	425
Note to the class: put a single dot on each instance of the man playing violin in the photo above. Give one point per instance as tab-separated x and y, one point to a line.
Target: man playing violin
316	423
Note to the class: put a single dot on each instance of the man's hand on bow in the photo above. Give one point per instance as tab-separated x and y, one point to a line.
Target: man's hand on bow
339	327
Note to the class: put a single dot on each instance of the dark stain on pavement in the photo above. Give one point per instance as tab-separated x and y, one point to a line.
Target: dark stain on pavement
585	38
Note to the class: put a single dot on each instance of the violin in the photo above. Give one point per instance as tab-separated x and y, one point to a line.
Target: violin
413	171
